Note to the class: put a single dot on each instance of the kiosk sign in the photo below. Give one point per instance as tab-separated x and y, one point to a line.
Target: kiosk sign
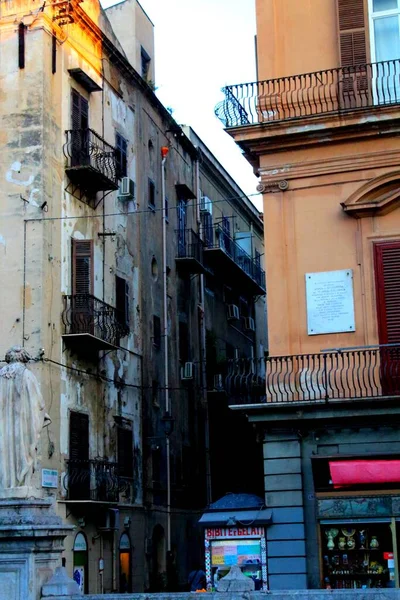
235	532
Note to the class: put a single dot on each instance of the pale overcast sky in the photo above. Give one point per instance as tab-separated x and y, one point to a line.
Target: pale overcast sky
202	45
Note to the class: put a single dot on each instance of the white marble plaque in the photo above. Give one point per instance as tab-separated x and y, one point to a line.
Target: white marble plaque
330	302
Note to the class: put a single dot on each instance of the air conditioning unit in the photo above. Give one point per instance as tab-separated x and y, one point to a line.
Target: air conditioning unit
206	204
233	312
108	520
249	324
126	189
187	371
218	385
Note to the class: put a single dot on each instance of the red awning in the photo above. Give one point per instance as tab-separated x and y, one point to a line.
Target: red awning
359	472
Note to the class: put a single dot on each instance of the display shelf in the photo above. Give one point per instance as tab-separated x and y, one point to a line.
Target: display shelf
355	575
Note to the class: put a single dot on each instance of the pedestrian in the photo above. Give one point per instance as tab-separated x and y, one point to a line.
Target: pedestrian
197	579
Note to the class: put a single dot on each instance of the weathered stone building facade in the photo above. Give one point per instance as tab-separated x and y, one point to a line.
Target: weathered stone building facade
98	237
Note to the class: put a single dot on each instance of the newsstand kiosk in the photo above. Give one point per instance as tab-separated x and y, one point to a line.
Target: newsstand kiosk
234	534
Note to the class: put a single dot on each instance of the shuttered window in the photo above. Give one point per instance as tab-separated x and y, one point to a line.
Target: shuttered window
78	436
82	266
352	33
122	300
121	155
387	275
79	111
125	452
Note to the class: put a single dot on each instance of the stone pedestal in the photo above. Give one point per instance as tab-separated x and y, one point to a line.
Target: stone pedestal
31	542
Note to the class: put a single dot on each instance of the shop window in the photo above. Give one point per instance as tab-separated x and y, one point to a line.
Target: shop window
357	555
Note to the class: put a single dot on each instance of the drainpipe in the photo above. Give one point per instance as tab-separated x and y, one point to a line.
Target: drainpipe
164	154
203	354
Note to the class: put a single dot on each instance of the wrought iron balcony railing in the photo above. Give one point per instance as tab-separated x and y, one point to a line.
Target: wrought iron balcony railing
326	377
96	480
323	92
85	314
190	251
217	238
91	161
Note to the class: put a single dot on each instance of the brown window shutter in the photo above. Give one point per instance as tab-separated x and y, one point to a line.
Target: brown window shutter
122	300
78	436
82	266
352	34
387	277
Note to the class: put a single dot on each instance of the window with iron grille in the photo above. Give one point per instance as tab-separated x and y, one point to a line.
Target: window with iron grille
121	155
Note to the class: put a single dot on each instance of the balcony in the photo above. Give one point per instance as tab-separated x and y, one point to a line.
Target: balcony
94	480
224	254
91	325
326	378
91	162
329	92
189	259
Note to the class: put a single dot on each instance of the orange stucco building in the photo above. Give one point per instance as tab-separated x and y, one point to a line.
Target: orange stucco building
321	128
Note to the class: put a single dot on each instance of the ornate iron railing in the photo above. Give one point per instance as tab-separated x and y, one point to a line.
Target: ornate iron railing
94	480
84	148
84	313
322	92
345	374
189	245
219	237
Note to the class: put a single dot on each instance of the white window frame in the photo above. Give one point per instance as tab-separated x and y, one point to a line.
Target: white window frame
372	17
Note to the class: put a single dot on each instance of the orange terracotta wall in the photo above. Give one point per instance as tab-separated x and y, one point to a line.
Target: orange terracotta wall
307	231
295	37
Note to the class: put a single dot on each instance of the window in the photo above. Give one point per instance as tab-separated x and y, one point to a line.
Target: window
156	464
156	331
207	224
145	63
152	194
125	452
82	267
80	152
79	111
183	342
385	29
21	45
387	277
352	37
78	464
121	153
122	300
54	54
181	215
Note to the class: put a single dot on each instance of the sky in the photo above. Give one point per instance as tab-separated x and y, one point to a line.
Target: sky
202	45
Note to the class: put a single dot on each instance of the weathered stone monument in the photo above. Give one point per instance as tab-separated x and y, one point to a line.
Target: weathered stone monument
31	534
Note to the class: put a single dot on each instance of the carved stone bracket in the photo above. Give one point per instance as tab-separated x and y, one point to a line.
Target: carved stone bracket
270	187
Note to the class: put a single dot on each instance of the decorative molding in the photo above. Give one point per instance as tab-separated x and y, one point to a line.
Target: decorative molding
270	187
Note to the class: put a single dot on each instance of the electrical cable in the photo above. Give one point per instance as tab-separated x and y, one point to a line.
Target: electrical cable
135	212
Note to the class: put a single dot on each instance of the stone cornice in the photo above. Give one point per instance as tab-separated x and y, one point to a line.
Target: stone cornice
337	164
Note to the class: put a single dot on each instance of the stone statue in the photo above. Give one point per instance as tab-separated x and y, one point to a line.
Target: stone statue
21	420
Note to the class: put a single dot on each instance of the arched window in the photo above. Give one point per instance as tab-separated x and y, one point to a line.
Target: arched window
125	564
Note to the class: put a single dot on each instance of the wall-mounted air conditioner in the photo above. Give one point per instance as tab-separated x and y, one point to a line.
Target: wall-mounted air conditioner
249	324
126	189
206	204
187	371
233	312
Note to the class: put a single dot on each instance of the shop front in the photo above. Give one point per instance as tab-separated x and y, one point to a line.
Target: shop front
234	534
358	523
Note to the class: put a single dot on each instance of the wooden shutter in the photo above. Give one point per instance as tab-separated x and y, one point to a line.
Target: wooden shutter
82	266
79	111
387	277
78	436
352	34
125	452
